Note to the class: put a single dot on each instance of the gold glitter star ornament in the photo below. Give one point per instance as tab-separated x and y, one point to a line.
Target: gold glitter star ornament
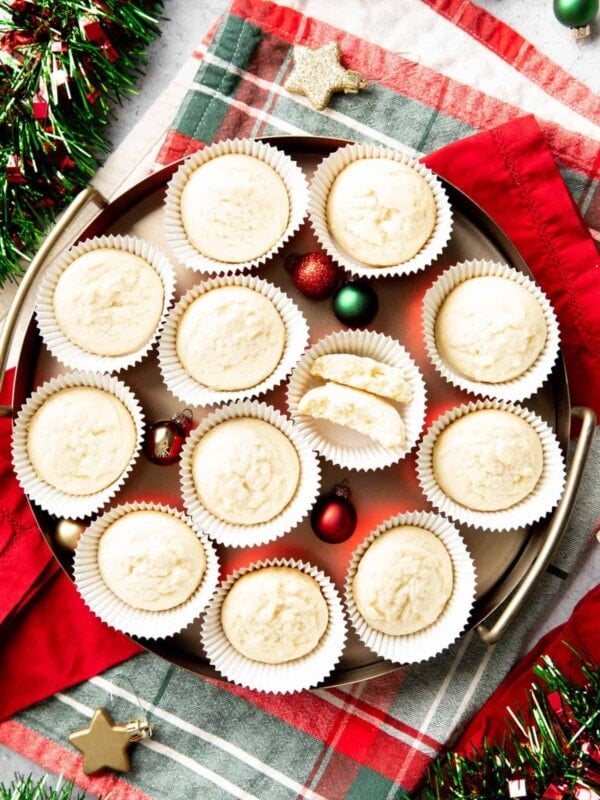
317	74
104	744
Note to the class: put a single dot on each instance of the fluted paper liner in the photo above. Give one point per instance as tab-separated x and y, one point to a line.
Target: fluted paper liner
292	676
519	388
320	186
55	339
286	168
440	634
188	389
47	497
120	615
532	508
236	535
341	445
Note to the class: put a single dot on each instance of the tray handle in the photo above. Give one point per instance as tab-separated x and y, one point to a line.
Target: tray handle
557	525
86	196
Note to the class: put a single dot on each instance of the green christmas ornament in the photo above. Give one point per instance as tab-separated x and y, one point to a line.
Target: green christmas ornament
576	15
355	303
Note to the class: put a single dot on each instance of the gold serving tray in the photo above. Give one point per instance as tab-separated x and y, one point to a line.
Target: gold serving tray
508	564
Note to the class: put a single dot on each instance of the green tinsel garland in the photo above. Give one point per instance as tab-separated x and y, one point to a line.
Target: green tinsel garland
26	788
63	65
555	755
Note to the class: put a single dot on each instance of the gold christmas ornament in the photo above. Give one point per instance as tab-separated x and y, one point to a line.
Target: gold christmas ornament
317	74
104	744
68	532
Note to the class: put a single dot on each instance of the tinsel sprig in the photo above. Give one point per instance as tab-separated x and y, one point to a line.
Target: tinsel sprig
64	64
27	788
551	750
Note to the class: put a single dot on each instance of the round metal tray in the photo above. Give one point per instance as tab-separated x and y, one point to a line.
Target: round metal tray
507	563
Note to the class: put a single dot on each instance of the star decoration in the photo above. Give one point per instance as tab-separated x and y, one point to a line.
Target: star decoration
103	744
317	74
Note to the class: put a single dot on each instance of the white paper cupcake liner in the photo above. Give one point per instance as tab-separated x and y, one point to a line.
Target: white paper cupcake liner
293	676
189	390
524	385
428	642
55	339
321	183
286	168
236	535
52	500
338	444
120	615
532	508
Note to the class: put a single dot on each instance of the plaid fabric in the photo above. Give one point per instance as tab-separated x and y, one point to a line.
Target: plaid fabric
238	91
372	739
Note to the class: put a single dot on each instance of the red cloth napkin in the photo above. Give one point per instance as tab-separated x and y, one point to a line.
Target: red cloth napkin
49	640
52	641
509	171
24	556
582	633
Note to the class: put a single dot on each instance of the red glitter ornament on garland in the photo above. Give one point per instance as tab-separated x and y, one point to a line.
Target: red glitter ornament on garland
314	274
165	439
333	518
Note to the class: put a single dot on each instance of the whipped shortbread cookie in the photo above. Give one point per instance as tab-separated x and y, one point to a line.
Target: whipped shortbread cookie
403	580
361	411
245	471
363	372
488	460
108	302
380	212
151	560
234	208
230	338
274	614
490	329
81	439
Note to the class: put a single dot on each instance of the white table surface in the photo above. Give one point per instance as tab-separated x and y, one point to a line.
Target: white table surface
182	27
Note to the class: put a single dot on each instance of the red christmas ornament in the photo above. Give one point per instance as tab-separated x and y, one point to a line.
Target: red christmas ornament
58	46
39	106
66	163
92	30
557	790
12	40
14	170
93	96
333	518
109	50
19	6
314	274
165	439
40	102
